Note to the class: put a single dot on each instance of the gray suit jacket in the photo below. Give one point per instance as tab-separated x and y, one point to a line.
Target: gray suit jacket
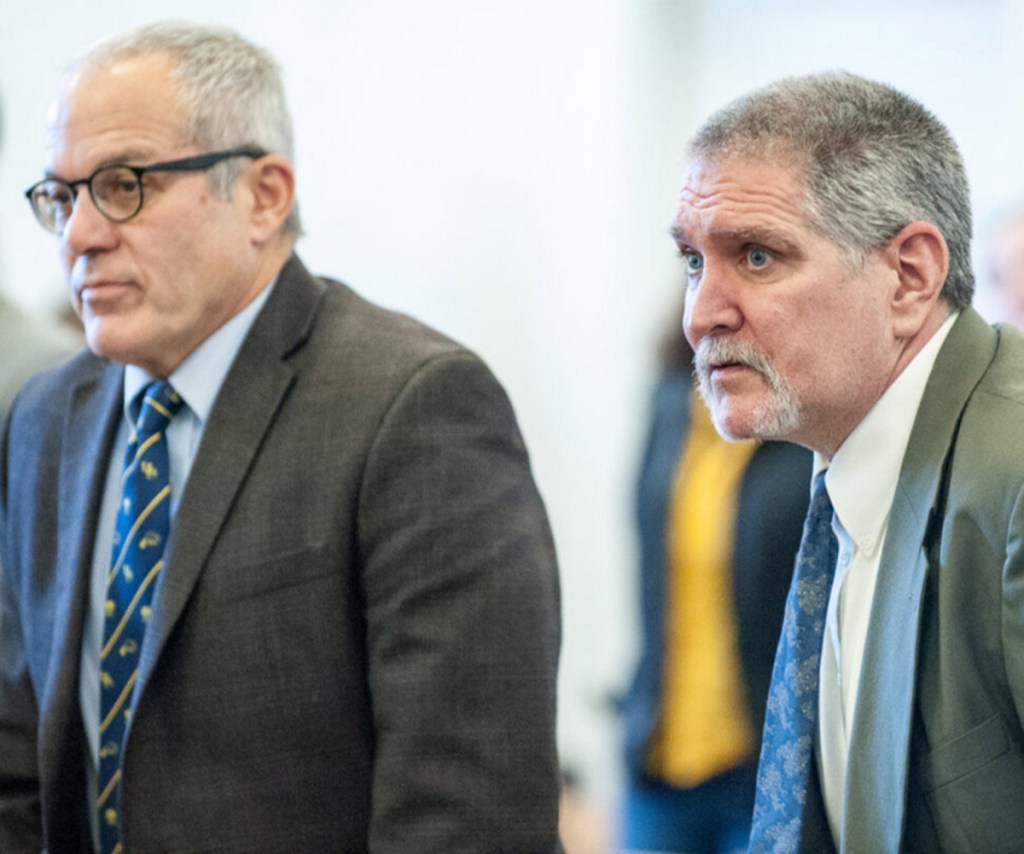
354	642
935	760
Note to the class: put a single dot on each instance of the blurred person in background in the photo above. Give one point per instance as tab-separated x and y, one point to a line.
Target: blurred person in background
1006	267
28	344
719	524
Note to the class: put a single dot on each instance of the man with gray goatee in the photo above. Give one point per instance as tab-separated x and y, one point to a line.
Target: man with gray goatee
824	225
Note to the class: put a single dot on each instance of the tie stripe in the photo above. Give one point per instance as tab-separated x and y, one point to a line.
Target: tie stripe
119	703
145	446
116	633
109	789
129	539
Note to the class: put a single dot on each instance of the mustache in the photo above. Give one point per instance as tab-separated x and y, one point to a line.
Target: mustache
717	351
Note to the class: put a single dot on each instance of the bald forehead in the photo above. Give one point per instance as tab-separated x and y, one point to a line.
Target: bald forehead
154	64
125	108
119	85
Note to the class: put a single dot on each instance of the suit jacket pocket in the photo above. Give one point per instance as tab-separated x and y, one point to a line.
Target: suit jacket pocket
229	581
974	785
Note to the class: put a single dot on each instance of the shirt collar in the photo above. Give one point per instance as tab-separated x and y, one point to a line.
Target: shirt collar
863	474
198	379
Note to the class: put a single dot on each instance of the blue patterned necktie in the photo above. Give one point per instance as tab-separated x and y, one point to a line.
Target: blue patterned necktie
787	750
143	523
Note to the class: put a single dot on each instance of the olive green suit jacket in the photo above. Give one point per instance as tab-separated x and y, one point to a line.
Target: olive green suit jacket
936	758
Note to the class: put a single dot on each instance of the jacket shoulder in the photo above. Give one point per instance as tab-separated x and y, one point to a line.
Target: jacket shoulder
42	401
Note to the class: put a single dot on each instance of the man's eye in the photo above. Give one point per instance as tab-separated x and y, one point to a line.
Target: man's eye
694	262
758	257
58	195
114	182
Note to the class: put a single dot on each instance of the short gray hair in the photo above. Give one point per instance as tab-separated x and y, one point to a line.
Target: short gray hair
231	91
874	160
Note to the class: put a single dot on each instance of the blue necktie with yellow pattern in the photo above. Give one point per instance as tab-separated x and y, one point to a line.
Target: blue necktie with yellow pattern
787	749
143	523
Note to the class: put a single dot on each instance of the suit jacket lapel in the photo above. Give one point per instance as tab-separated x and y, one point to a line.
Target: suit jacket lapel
879	746
246	406
95	405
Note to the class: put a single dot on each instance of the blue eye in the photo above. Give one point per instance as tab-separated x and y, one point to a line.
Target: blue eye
758	257
694	262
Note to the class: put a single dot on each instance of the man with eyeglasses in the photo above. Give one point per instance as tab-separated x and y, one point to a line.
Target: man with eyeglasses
277	576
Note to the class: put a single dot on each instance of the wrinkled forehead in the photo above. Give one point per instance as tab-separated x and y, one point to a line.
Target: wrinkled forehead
739	192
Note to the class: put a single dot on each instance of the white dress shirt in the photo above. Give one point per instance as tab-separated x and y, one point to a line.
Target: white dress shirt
861	481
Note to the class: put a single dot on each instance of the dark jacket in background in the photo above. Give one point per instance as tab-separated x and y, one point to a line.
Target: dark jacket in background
773	501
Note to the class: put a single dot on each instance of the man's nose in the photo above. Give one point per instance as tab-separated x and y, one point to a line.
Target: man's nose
712	304
86	230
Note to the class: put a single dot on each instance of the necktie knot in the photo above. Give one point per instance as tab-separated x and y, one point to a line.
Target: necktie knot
821	510
160	402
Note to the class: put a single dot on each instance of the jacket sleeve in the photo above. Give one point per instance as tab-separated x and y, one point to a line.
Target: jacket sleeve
462	610
1012	618
20	821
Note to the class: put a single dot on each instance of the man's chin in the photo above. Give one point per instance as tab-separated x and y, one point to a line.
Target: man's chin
108	341
729	425
760	424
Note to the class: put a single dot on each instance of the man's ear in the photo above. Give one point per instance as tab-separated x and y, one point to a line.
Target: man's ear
271	182
920	258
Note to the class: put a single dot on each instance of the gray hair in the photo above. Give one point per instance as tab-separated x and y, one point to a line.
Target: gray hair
231	91
874	160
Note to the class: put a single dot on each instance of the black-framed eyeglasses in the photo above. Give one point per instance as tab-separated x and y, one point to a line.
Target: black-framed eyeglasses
116	190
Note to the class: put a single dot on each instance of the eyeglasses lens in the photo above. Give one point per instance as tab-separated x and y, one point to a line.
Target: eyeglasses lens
52	202
117	192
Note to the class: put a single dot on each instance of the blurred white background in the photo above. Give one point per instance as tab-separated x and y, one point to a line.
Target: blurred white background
506	172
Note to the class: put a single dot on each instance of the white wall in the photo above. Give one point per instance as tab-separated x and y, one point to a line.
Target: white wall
506	172
961	58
